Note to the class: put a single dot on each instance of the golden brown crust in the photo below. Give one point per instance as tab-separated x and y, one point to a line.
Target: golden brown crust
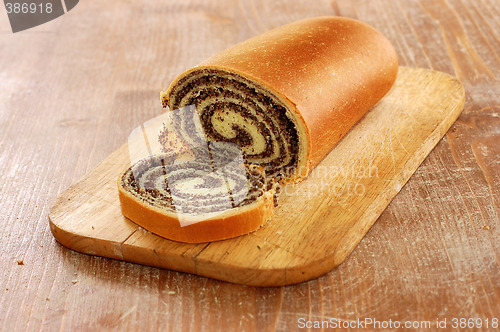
329	71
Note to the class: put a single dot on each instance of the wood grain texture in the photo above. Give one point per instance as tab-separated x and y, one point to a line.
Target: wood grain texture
319	221
72	90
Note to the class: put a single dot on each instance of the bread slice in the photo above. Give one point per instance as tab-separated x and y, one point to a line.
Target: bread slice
194	202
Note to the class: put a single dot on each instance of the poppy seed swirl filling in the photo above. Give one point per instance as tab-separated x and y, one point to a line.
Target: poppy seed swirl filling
234	109
194	187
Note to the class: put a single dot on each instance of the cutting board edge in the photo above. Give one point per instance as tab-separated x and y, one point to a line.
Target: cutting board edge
388	195
86	244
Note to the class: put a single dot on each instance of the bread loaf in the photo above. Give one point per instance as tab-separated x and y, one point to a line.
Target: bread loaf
285	98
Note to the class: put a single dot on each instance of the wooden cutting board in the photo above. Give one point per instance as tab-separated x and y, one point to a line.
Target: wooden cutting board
319	221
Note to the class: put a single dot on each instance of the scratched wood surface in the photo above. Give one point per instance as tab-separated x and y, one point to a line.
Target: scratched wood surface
72	90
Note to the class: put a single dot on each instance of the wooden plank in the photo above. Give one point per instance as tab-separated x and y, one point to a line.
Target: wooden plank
318	222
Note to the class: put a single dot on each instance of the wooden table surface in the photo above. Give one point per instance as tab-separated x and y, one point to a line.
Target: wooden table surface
72	90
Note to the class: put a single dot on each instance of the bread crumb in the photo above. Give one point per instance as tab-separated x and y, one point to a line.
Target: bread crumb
171	292
486	227
74	281
20	262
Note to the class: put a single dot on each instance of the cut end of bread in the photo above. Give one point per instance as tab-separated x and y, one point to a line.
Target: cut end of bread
238	109
164	99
